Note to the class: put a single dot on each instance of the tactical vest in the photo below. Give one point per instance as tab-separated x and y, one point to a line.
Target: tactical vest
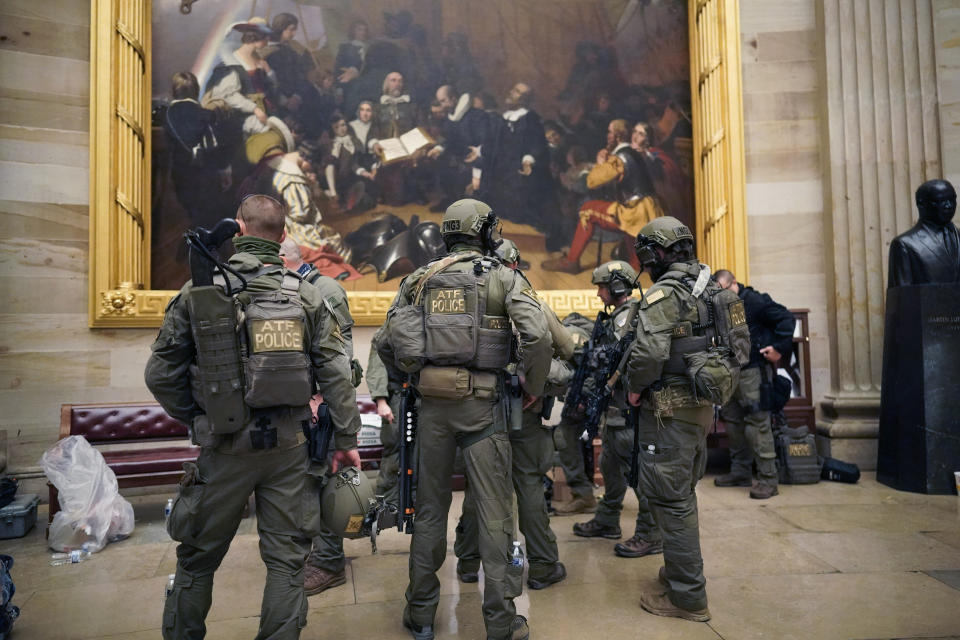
721	322
448	323
707	352
261	335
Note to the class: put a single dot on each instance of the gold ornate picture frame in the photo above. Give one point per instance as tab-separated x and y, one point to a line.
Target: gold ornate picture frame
120	91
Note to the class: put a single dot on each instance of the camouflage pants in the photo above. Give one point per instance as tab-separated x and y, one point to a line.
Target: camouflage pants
205	518
673	457
487	463
615	466
532	448
749	430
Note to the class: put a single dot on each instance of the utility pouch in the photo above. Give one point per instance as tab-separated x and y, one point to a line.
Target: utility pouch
493	343
404	329
201	434
219	372
664	400
282	380
356	373
445	382
484	384
713	373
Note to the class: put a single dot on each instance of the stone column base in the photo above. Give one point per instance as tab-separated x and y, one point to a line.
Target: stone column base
848	429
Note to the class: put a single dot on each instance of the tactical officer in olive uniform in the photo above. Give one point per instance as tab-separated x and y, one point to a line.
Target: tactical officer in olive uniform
532	448
385	391
571	429
207	369
747	419
615	281
689	327
326	564
450	324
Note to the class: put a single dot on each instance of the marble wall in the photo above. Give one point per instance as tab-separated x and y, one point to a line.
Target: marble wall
784	173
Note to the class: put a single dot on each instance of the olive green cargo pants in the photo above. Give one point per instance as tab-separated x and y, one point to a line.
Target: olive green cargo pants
532	452
387	480
748	429
615	466
487	461
673	457
205	518
571	458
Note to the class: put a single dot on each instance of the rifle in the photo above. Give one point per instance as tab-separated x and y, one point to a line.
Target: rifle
408	439
610	361
575	395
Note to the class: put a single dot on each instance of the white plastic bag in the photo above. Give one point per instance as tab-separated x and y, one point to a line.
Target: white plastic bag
92	511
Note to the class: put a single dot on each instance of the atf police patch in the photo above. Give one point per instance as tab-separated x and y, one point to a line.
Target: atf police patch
446	301
276	335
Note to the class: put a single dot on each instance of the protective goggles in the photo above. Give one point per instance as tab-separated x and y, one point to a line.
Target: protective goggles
646	250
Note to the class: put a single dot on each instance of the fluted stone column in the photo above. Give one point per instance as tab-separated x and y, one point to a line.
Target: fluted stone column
882	136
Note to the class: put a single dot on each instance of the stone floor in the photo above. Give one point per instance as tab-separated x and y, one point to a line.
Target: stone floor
822	561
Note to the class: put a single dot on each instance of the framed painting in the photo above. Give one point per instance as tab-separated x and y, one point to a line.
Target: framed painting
576	120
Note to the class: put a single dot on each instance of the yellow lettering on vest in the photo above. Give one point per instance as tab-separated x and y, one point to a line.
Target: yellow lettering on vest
276	335
447	301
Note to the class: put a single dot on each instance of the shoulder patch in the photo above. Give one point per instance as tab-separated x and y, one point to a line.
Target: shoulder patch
656	296
738	315
530	293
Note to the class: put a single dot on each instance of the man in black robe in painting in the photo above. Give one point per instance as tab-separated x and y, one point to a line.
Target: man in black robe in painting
515	169
457	154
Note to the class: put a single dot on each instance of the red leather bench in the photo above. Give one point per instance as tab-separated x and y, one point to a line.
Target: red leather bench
145	422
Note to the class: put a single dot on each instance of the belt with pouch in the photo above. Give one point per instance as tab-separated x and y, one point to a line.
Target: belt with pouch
456	383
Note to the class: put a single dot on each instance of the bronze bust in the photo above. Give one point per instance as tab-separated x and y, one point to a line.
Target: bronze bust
929	253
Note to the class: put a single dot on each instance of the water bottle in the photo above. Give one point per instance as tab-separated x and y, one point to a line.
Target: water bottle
70	557
169	589
517	558
167	510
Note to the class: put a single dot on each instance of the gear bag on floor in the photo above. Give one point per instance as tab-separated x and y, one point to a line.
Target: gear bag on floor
796	448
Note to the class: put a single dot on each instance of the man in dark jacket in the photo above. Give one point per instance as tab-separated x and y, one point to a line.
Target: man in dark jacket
748	421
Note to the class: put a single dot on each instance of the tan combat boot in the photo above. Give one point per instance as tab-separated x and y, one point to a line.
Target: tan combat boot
579	504
318	580
659	605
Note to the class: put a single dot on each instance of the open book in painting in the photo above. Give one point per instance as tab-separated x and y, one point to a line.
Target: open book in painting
402	148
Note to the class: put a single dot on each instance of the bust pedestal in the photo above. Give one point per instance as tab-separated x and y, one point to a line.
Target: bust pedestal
919	444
